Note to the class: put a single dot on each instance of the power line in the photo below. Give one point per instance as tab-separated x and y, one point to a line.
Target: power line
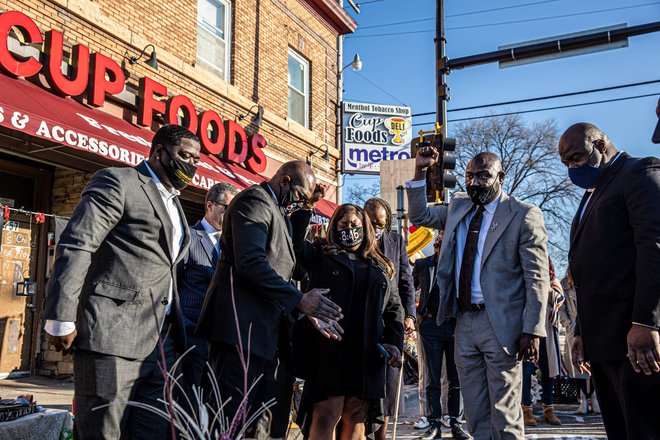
456	15
541	98
380	88
543	109
501	23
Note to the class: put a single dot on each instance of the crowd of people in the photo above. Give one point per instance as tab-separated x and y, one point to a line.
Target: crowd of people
255	303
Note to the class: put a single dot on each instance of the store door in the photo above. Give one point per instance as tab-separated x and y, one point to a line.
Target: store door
21	249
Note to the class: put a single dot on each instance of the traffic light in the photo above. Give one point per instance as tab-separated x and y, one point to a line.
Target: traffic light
439	176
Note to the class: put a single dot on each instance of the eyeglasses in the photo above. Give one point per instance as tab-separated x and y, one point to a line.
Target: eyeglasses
220	204
379	226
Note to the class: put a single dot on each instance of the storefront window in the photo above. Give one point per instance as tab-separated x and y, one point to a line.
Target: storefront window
213	25
298	88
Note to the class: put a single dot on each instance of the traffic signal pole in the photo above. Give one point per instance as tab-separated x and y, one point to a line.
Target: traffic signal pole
441	71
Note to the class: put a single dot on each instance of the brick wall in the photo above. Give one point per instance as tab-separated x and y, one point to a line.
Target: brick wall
259	58
262	32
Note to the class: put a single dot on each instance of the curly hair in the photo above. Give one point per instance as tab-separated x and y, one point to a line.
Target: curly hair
369	248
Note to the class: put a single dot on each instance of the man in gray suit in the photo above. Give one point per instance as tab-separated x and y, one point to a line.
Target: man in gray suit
196	274
493	276
112	294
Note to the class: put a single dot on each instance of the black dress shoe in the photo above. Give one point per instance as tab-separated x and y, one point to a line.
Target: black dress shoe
432	433
458	433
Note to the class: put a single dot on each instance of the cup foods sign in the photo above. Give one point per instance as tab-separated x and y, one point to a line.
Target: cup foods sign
372	133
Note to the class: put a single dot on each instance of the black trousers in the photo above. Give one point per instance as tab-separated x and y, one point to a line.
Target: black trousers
629	401
275	383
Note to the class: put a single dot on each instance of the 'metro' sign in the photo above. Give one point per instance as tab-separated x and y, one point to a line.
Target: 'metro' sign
372	133
95	74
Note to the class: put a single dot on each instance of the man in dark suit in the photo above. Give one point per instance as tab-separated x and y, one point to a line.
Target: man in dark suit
251	303
196	274
438	342
614	259
113	288
393	246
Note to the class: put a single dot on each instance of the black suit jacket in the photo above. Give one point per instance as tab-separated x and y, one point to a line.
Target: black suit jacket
423	277
394	247
258	260
615	256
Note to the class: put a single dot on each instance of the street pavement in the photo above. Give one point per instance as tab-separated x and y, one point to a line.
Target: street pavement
55	393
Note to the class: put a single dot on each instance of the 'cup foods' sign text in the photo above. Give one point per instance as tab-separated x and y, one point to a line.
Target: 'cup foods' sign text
97	75
372	133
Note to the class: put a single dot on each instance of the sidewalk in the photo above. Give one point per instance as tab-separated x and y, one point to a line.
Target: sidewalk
55	393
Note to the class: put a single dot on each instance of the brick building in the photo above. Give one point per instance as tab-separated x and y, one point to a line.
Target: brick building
256	79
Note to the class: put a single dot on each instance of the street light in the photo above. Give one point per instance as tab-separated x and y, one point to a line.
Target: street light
356	64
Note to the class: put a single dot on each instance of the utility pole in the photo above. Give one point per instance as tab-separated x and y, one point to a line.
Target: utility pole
441	72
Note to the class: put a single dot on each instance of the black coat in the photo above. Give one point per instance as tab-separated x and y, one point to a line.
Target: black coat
257	251
423	278
383	321
394	247
615	256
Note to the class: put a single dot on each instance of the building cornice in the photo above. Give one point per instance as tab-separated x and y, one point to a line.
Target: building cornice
333	15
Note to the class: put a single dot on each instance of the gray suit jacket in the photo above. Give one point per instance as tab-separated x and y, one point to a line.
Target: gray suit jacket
113	257
514	265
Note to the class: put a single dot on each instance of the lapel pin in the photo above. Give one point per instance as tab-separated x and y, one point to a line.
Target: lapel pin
493	227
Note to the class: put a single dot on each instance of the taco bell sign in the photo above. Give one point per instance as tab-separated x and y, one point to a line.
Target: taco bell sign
372	133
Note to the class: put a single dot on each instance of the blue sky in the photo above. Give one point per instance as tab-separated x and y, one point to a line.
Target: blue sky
404	64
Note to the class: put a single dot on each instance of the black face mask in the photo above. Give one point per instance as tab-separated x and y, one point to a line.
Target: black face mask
350	237
291	204
179	171
480	195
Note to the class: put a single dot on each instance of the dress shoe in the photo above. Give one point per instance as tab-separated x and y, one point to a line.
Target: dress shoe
458	433
528	416
433	433
422	423
549	415
595	406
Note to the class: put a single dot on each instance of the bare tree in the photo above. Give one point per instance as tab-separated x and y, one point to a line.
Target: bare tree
533	170
358	193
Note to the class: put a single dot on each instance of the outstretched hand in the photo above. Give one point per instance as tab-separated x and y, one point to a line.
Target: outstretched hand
329	329
316	305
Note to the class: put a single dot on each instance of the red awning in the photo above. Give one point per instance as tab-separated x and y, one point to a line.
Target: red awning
32	110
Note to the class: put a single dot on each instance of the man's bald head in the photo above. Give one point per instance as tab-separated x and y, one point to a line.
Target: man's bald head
484	177
487	159
582	141
295	173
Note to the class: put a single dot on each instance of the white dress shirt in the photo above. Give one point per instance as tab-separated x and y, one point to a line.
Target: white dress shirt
461	236
63	328
213	234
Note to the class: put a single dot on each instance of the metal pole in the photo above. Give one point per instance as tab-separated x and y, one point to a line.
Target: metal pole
400	209
441	74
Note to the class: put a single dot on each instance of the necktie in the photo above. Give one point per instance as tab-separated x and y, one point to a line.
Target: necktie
467	265
216	249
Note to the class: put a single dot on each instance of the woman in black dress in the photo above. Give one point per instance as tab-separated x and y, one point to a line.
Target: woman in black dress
345	379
